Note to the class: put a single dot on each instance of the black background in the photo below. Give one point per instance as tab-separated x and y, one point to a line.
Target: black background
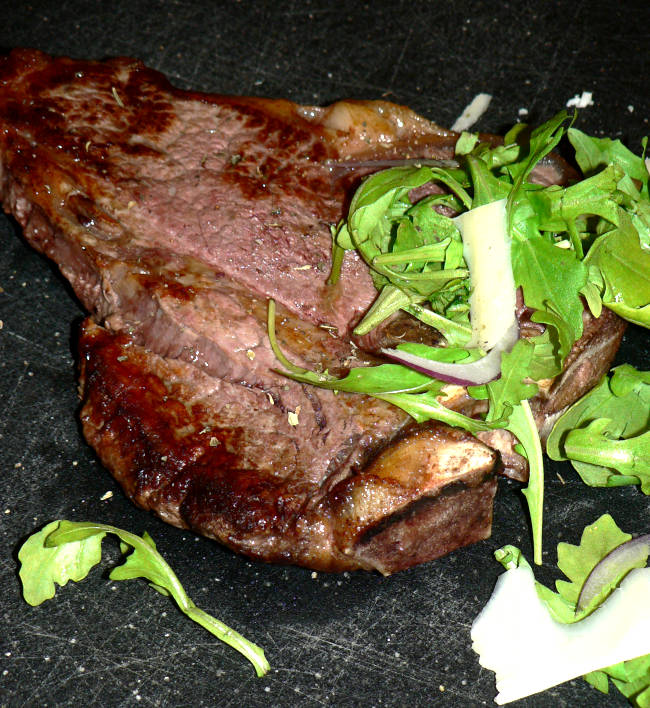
346	640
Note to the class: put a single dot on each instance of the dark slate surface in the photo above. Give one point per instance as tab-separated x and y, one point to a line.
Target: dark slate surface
344	640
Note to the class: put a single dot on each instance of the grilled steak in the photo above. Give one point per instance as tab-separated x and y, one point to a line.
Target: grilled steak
176	216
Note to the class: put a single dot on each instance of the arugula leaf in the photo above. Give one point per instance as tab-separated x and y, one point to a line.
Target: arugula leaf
551	347
620	255
576	562
508	399
606	434
66	550
414	253
559	278
487	187
626	379
390	300
382	198
625	268
513	385
541	142
426	406
509	407
454	332
630	458
594	153
631	678
563	209
42	566
591	292
522	424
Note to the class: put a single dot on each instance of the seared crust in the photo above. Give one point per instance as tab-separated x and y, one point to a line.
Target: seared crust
181	444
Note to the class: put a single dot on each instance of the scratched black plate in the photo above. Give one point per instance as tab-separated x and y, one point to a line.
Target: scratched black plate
346	640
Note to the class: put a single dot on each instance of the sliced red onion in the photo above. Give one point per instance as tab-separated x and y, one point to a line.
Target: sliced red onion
481	371
614	565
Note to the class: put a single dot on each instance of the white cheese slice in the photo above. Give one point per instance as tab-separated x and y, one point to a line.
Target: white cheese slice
583	100
516	637
472	112
486	249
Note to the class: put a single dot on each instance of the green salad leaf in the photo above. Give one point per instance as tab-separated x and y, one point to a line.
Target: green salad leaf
66	550
593	154
522	425
43	566
631	678
508	396
415	252
606	434
577	562
623	264
559	278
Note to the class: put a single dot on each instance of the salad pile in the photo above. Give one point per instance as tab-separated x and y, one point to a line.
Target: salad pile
455	258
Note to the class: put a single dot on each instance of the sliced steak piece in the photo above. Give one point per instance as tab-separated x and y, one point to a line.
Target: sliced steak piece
360	489
176	216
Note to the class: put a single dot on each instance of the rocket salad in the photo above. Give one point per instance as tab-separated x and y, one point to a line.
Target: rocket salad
586	242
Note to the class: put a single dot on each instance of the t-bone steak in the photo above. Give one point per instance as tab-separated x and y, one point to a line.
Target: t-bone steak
176	216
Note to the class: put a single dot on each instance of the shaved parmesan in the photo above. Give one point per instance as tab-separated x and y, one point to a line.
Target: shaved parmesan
516	637
584	100
472	112
486	250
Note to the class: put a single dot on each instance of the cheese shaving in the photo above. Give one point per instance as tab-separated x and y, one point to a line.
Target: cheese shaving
581	101
472	112
516	637
486	250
